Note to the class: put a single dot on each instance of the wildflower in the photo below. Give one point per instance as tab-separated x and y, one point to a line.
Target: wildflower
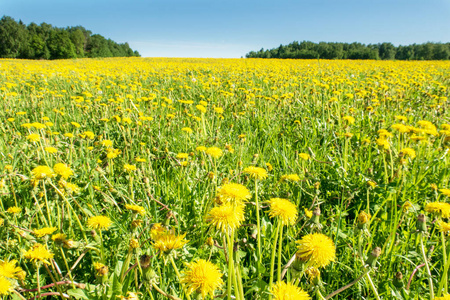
316	250
441	208
201	148
9	269
283	209
313	274
44	231
408	152
59	238
99	222
39	253
14	210
134	243
69	187
201	277
382	142
77	125
290	177
363	219
288	291
445	192
304	156
42	172
129	168
168	241
138	159
69	135
201	108
349	119
33	137
214	152
182	155
135	209
107	143
255	172
157	230
444	227
308	213
233	192
444	297
63	170
51	149
371	183
113	153
269	167
89	134
187	130
130	296
226	217
100	269
5	286
406	206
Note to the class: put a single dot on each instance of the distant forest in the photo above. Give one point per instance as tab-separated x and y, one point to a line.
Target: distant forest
385	51
44	41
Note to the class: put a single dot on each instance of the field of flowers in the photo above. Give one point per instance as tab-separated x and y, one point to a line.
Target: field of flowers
224	178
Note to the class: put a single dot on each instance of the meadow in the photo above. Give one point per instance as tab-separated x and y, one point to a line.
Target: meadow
139	178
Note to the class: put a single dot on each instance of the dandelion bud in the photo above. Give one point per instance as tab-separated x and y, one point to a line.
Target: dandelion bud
69	244
317	185
134	243
210	242
144	261
363	219
398	280
372	259
421	224
316	215
211	175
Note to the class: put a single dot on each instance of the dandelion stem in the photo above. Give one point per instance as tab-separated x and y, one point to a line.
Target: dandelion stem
280	244
444	280
230	264
272	258
430	280
178	274
258	226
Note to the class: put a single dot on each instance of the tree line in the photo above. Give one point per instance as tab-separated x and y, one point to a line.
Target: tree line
45	41
385	51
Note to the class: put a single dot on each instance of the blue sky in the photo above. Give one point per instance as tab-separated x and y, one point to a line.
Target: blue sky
231	28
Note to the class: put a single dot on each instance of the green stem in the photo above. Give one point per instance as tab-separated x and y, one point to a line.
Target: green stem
430	280
230	241
280	245
444	280
258	226
67	266
272	258
372	286
178	274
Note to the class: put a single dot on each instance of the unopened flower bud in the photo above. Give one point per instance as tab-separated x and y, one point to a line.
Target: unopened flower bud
372	259
398	280
421	224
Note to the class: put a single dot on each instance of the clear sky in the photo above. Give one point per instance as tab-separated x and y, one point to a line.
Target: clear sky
232	28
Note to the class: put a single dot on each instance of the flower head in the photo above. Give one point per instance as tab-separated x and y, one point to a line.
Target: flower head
444	227
9	269
14	210
290	177
255	172
33	137
99	222
44	231
226	217
129	168
201	277
135	209
445	192
39	253
233	192
5	286
304	156
316	250
214	152
42	172
288	291
283	209
63	170
168	241
408	152
441	208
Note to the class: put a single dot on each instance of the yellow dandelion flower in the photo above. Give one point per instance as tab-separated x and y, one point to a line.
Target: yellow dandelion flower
69	135
44	231
157	230
288	291
308	213
201	277
283	209
39	253
408	152
168	241
255	172
226	217
9	269
201	108
313	274
350	120
77	125
107	143
14	210
182	155
89	134
33	137
99	222
129	168
233	192
5	286
59	238
42	172
382	142
363	217
441	208
51	149
100	269
444	227
136	209
304	156
290	177
445	192
187	130
214	152
316	249
445	297
201	148
63	170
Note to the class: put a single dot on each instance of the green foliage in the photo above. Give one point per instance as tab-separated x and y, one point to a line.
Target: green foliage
384	51
47	42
